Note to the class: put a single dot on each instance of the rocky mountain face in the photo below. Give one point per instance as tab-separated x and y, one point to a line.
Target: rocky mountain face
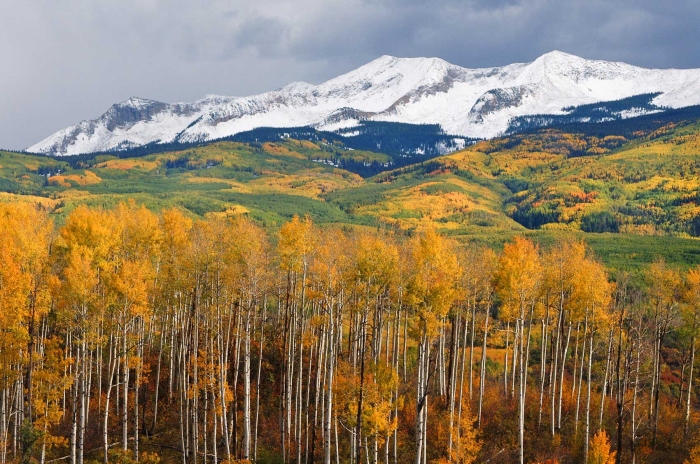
464	102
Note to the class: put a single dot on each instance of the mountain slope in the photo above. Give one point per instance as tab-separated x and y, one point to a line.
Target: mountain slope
466	102
628	176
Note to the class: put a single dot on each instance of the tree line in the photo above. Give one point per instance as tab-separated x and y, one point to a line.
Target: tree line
130	336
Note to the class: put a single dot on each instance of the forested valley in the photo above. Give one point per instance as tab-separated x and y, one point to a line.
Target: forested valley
134	336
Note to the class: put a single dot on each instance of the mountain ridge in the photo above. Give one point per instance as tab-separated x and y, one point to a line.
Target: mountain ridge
478	103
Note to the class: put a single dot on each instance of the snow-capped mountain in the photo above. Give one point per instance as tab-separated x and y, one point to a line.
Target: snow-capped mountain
468	102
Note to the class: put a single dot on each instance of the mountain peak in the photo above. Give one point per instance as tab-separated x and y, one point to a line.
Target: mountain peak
557	59
297	87
558	54
136	103
465	102
387	61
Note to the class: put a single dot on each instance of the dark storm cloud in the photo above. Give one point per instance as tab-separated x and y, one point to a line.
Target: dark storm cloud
70	60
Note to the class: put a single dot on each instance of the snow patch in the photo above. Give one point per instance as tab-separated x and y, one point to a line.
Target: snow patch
478	103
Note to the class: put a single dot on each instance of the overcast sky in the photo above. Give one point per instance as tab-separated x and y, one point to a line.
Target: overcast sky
62	61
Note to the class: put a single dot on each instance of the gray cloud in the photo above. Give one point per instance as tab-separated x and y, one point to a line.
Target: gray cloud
61	62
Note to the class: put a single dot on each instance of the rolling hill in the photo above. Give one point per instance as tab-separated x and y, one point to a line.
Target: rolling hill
619	184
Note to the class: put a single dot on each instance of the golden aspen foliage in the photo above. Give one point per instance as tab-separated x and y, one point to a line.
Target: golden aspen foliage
249	256
94	229
50	383
518	276
26	233
374	264
694	457
591	292
690	310
466	444
131	284
692	288
561	278
14	285
329	268
297	240
664	285
431	289
75	295
378	401
599	452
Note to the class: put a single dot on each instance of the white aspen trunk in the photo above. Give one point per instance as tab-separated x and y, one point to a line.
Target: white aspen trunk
471	350
453	360
588	400
43	442
543	363
329	388
690	383
318	391
4	423
195	384
561	378
425	403
337	449
299	397
482	373
184	411
74	413
505	362
463	363
633	428
83	398
524	359
441	360
521	393
125	394
395	447
573	377
553	374
653	377
215	422
113	361
171	374
137	385
307	407
246	390
157	385
403	353
543	367
289	384
257	384
420	399
517	342
223	348
580	380
605	379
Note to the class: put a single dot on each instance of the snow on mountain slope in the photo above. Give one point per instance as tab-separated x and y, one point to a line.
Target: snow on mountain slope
468	102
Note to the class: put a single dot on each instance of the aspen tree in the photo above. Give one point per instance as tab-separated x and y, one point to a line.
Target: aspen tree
86	248
518	278
691	316
15	285
594	292
430	293
249	257
664	293
295	250
490	261
329	268
28	232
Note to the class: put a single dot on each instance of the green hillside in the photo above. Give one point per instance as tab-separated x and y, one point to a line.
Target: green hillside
632	196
